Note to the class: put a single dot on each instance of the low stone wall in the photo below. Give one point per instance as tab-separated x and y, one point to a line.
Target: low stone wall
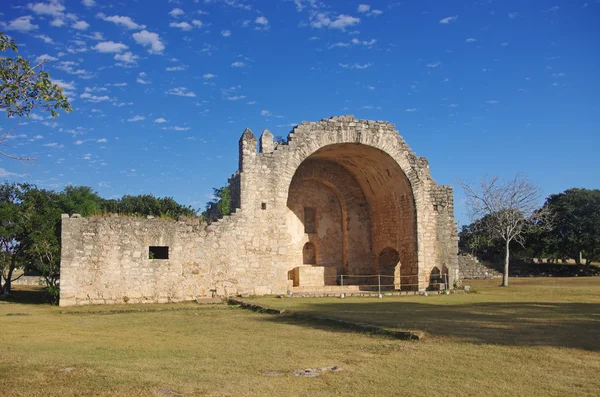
470	268
29	280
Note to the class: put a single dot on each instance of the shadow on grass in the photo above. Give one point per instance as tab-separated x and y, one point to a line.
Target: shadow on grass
28	295
572	325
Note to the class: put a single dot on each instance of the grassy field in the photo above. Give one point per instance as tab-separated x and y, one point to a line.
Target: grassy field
539	337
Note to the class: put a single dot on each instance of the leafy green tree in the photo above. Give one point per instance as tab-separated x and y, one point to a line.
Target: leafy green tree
147	204
41	234
576	229
81	200
24	87
220	205
11	233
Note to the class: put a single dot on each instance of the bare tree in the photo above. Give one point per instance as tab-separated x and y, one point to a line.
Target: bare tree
507	209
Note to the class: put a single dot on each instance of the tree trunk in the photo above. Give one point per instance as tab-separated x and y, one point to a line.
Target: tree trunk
11	269
506	260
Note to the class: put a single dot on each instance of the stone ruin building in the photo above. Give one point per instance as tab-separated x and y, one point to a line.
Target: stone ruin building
342	197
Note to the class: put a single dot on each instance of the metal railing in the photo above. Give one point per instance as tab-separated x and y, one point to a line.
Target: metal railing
384	282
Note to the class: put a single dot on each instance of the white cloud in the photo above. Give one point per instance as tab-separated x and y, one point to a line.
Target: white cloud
369	43
22	24
236	97
180	91
364	8
8	174
356	66
197	23
176	12
261	21
433	65
339	44
238	64
181	25
265	113
86	96
149	39
79	142
447	20
45	57
142	78
122	21
136	118
88	3
53	8
126	59
410	110
54	145
57	22
176	128
46	39
209	76
80	25
471	40
65	85
110	46
160	120
102	140
180	68
341	22
225	33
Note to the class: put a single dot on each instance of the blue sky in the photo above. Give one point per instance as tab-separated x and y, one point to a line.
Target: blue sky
162	90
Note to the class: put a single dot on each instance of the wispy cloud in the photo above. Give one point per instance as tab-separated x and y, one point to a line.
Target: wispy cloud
447	20
136	118
356	65
123	21
180	91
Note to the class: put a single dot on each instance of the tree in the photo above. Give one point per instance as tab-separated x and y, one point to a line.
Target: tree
41	235
24	88
576	228
506	209
11	232
220	205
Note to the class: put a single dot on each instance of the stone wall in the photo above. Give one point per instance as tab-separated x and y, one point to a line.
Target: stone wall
470	268
371	194
29	280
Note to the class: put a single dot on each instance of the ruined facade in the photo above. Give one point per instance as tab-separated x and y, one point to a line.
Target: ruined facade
342	197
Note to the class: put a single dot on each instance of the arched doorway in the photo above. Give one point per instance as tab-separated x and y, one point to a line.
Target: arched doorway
309	254
389	268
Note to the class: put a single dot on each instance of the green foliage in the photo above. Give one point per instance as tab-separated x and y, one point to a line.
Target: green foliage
11	230
30	221
576	224
24	87
165	207
573	228
220	206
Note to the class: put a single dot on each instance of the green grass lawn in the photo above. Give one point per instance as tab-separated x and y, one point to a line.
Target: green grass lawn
538	337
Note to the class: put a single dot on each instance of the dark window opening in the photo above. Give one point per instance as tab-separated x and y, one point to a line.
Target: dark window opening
158	253
263	206
309	220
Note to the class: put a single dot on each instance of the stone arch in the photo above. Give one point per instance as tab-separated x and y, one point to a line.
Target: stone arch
309	254
342	139
387	193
